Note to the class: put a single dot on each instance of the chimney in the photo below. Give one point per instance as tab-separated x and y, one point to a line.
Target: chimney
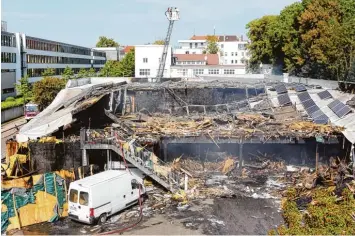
241	38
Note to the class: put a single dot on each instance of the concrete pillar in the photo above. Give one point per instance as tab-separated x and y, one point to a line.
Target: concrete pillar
85	158
241	159
165	150
108	164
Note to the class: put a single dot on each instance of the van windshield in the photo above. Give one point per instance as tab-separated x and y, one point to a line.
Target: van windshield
84	198
73	195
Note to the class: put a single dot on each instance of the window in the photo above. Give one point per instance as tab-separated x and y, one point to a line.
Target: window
145	60
8	90
73	195
84	198
236	61
144	72
222	46
201	44
193	62
37	44
190	45
184	62
8	40
60	60
213	71
193	52
241	46
134	184
242	61
232	61
236	53
232	53
198	71
225	54
229	71
8	57
187	52
196	45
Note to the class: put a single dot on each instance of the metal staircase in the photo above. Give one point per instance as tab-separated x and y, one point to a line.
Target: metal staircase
170	183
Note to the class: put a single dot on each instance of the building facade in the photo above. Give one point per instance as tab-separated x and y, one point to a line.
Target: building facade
232	49
24	55
147	58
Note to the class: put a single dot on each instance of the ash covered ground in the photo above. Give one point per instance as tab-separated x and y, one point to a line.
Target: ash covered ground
237	205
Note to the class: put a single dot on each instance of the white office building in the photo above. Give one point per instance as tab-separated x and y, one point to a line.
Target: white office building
147	58
23	55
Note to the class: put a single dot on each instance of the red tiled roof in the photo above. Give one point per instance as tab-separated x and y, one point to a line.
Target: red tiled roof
127	49
202	37
212	59
221	38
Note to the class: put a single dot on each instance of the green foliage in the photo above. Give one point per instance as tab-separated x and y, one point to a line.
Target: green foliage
24	88
159	42
83	73
313	38
48	72
262	36
10	99
212	44
325	215
124	68
45	90
106	42
11	102
68	73
92	72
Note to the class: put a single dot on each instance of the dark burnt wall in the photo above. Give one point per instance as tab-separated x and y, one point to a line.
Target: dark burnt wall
296	154
47	157
162	100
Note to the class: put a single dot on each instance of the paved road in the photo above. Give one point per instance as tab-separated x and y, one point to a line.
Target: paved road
9	130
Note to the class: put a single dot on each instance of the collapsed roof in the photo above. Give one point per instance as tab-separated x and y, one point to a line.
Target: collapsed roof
75	98
78	95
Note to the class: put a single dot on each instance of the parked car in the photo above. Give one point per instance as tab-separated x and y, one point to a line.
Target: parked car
94	198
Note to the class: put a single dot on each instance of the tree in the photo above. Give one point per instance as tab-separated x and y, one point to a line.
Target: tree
124	68
24	88
127	65
48	72
110	69
83	73
92	72
212	44
45	90
159	42
106	42
262	36
68	73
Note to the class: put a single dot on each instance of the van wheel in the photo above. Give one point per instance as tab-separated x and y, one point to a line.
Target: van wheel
102	219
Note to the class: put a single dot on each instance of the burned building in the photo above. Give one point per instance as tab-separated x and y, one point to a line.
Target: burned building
113	122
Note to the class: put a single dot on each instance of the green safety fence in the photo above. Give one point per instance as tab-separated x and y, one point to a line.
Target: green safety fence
24	196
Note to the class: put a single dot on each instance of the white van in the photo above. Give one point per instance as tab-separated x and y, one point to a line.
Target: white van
94	198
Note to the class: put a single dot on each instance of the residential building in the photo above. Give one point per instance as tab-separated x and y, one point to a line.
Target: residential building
147	60
26	55
232	49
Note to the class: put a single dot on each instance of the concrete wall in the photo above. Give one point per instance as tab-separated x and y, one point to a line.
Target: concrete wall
46	157
11	113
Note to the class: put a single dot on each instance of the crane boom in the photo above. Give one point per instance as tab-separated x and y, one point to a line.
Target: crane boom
173	15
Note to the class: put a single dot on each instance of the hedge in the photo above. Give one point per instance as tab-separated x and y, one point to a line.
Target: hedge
13	103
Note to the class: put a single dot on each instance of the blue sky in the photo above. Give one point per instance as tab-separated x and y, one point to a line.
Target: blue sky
131	22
